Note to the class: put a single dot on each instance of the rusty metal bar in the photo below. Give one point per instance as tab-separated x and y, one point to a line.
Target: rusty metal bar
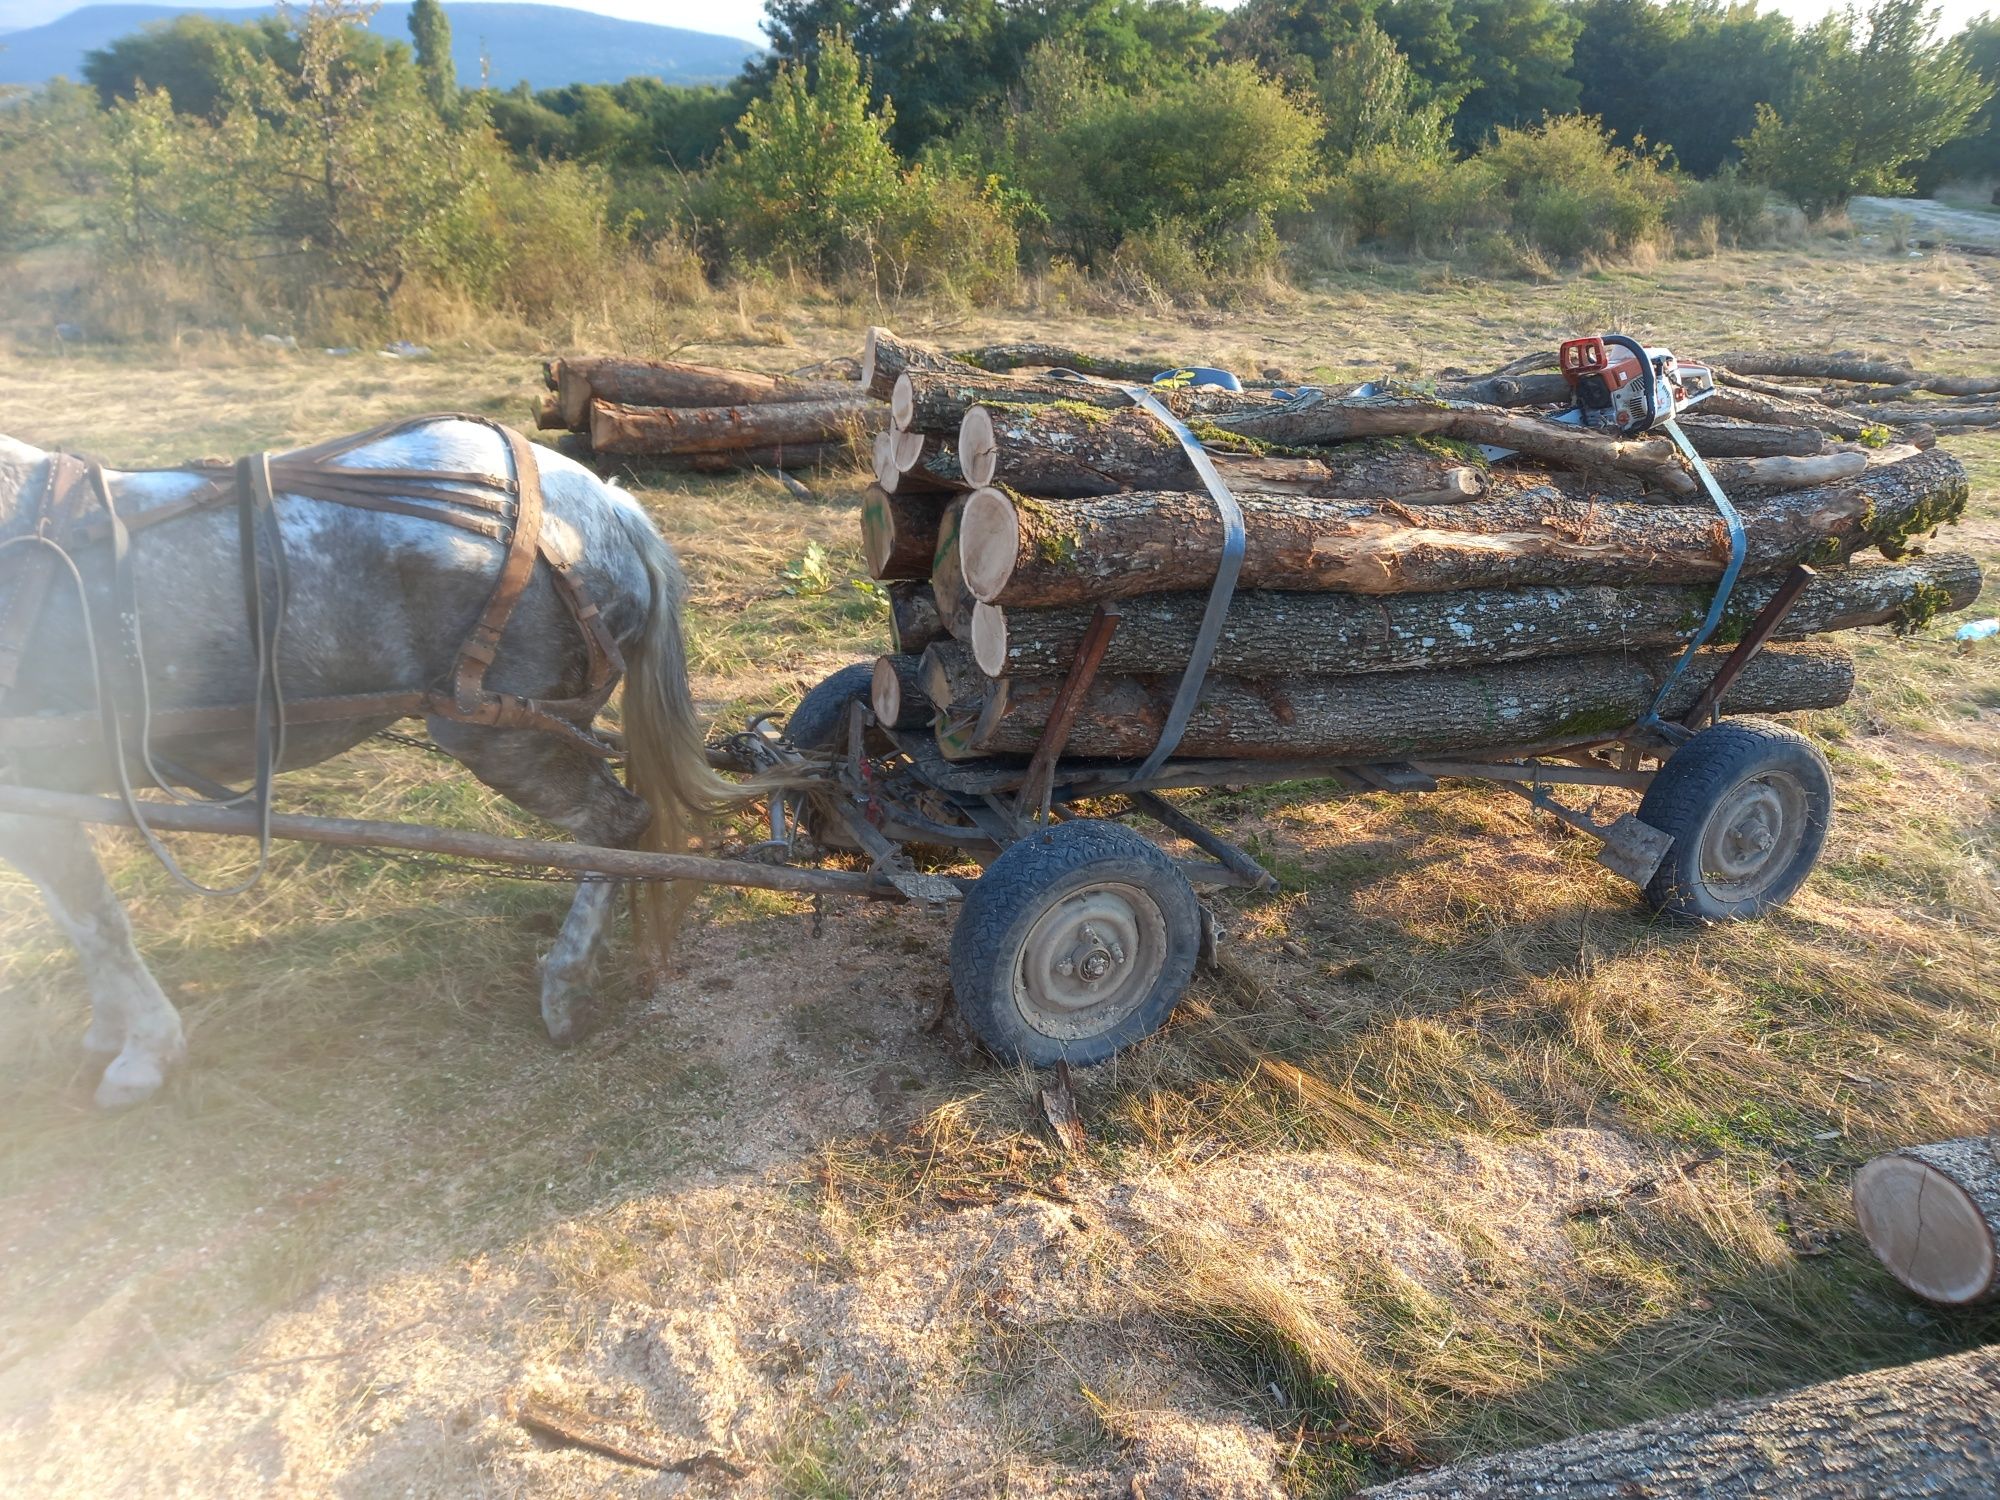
583	859
1248	873
1769	618
1033	801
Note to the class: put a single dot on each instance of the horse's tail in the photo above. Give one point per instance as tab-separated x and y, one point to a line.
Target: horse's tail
667	758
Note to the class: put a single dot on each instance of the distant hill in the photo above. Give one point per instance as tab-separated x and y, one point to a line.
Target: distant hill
548	45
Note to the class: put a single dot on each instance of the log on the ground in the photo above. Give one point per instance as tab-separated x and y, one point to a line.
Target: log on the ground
1069	451
1401	714
646	382
1936	414
1859	368
720	429
1928	1429
1024	552
884	358
1789	473
1764	387
1276	635
899	533
1781	411
1313	420
1932	1214
1520	389
937	401
896	692
1727	437
548	414
913	617
1001	358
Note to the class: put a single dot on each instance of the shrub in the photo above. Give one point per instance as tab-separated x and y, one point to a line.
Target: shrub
1415	200
1572	192
813	174
948	235
1207	152
1736	211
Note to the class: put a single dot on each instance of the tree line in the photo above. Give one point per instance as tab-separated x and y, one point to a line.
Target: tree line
300	162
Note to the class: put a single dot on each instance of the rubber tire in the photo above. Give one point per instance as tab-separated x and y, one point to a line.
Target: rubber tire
1024	882
1690	786
821	717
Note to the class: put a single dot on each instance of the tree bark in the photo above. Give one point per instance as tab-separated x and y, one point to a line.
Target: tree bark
722	429
884	357
913	618
1779	411
925	463
1005	357
1069	451
1856	368
950	679
1764	387
1032	554
1314	420
1932	1214
932	402
1401	714
1726	437
896	693
645	382
1937	415
1518	389
1789	473
1284	635
1925	1429
899	533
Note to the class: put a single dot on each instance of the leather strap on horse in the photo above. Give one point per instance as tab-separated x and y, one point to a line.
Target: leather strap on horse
432	495
63	494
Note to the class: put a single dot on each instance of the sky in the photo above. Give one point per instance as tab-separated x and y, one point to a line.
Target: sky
740	17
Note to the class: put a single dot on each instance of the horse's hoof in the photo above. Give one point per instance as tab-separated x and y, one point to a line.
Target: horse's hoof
102	1046
132	1078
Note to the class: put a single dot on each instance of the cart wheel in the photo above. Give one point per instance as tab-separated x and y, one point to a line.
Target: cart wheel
1074	944
1747	804
821	717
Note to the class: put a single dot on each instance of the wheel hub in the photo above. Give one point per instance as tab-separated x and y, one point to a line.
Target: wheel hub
1090	960
1752	835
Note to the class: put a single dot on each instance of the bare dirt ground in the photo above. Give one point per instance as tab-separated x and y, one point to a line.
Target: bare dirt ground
1457	1151
1928	217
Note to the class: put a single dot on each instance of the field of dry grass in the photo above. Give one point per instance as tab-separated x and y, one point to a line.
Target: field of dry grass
1457	1150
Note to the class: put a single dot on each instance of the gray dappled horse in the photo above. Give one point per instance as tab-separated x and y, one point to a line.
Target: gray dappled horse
378	601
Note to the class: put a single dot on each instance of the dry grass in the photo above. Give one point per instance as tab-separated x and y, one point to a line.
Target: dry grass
1417	1047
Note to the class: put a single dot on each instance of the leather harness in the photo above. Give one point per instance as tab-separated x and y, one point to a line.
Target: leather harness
505	509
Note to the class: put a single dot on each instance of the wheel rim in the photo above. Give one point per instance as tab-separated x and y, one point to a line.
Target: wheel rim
1753	835
1090	960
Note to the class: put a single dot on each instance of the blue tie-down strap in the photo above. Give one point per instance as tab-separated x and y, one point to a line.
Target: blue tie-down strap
1220	592
1738	546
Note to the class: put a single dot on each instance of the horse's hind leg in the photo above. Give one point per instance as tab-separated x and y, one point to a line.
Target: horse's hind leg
577	792
131	1022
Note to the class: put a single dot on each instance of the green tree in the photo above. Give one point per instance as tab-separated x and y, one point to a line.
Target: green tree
431	32
1370	96
813	172
1867	109
1506	61
1975	155
188	58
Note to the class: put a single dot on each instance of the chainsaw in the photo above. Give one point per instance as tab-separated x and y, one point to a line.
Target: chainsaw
1617	382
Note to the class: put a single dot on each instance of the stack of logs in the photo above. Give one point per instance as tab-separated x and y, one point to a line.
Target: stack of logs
1401	593
708	419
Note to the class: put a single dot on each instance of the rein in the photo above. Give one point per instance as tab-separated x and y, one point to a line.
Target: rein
505	509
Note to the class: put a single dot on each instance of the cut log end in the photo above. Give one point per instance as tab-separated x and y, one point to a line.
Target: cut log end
1932	1215
989	542
885	694
884	461
978	451
907	450
902	401
989	638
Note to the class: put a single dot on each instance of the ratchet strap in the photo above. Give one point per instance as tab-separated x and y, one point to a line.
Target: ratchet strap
1738	547
1220	592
